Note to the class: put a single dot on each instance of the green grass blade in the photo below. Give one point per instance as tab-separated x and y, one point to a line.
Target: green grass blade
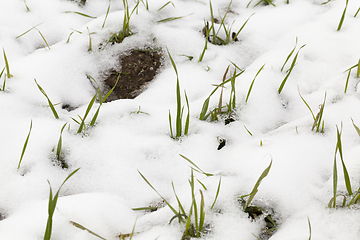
7	65
42	36
78	225
106	15
290	70
196	167
307	105
343	16
81	14
217	194
358	69
169	2
243	26
48	99
167	203
347	81
252	83
346	174
257	184
192	185
320	115
187	122
202	212
335	181
28	31
356	127
25	145
309	228
288	57
59	145
169	19
357	12
170	124
82	124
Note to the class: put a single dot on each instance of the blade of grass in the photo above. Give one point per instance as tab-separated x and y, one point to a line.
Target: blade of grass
81	14
357	12
217	194
196	167
106	15
28	31
257	184
356	127
358	69
48	99
288	57
202	213
169	2
52	206
82	124
25	145
187	122
290	70
309	228
238	32
346	174
169	19
8	75
78	225
343	16
307	105
59	145
252	83
42	36
347	81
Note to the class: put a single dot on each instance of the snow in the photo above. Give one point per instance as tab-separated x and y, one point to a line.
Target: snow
101	195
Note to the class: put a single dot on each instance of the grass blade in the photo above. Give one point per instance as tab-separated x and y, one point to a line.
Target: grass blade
86	229
288	57
59	145
48	99
7	65
307	105
82	124
309	228
187	122
358	69
81	14
252	83
106	15
238	32
346	174
196	167
347	81
343	16
28	31
25	145
356	127
169	2
217	194
42	36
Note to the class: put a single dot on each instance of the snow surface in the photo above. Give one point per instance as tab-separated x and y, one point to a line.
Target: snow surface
101	195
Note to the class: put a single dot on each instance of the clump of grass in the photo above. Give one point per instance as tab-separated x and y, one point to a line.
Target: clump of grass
232	102
25	146
52	206
343	16
318	122
179	109
291	66
229	35
194	220
51	105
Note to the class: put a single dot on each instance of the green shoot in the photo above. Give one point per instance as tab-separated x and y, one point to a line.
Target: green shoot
169	19
357	12
59	155
48	99
217	194
347	81
356	127
252	83
52	206
290	70
42	36
25	145
27	31
288	57
252	194
309	228
68	40
167	203
101	99
343	16
169	2
196	168
207	32
81	14
82	123
179	112
4	83
318	118
86	229
106	15
248	130
307	105
238	32
27	7
8	75
358	69
265	2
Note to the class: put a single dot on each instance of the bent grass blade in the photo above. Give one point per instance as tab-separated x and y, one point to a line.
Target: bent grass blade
343	16
48	99
7	65
252	83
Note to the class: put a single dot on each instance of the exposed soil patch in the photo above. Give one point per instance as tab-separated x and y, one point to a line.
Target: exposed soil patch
137	69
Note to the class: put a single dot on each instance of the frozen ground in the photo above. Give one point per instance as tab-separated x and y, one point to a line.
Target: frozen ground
101	195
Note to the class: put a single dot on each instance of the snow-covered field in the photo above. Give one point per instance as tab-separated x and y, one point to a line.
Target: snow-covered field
102	194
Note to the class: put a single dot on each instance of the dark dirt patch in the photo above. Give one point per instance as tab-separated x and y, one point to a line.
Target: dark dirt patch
137	69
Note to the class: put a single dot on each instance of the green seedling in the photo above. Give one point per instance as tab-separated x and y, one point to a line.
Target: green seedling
288	57
42	36
318	118
139	111
252	194
229	35
106	15
52	206
7	67
90	45
28	31
343	16
207	32
169	19
179	111
68	40
82	123
86	229
252	83
59	152
307	105
309	228
48	99
347	81
146	4
248	130
25	145
196	168
125	32
81	14
290	69
356	127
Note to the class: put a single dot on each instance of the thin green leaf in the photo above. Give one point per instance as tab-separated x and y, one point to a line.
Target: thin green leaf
42	36
169	2
28	31
307	105
343	16
81	14
243	26
347	81
25	145
82	124
356	127
51	105
346	174
7	65
217	194
78	225
288	57
106	15
196	167
252	83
